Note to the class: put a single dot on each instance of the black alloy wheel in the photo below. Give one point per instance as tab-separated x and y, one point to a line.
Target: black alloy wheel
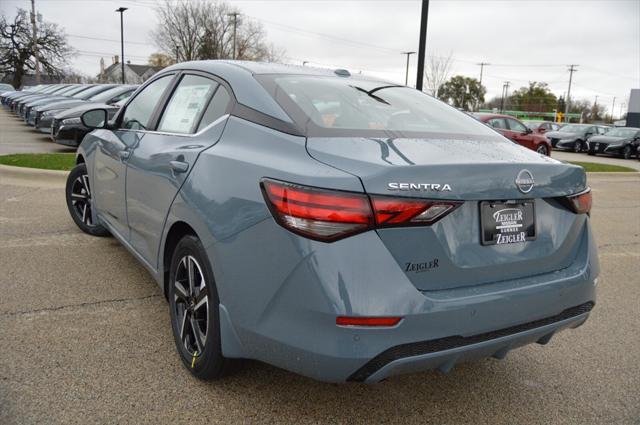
79	202
195	312
542	149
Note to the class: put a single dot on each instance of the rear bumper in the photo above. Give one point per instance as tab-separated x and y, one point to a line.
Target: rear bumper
443	354
293	327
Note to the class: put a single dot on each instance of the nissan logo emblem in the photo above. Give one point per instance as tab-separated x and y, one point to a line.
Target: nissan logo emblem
525	181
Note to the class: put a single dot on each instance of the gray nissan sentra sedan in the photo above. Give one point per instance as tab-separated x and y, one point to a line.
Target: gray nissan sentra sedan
343	228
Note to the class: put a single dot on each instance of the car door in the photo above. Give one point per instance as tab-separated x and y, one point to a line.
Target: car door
112	152
520	134
161	161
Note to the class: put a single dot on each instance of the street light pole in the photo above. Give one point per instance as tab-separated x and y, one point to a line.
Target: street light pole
121	11
422	46
235	24
406	74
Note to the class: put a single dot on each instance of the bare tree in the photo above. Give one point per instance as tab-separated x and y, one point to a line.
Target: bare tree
17	47
437	72
198	29
160	60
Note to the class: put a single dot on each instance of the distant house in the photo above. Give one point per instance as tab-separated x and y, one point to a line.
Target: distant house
134	74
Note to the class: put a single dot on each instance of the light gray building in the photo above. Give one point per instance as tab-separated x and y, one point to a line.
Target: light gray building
134	74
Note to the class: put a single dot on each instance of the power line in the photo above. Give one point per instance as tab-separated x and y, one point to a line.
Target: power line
109	39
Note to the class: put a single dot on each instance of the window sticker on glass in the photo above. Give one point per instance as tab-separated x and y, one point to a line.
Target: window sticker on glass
185	107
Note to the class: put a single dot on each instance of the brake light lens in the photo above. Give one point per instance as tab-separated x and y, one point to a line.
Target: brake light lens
329	215
367	321
319	214
581	203
390	212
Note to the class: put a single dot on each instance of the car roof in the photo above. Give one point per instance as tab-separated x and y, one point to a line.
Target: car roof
248	91
488	115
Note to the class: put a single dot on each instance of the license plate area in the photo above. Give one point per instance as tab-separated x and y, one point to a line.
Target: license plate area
507	222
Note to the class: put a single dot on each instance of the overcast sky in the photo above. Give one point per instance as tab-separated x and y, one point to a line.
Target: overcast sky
523	40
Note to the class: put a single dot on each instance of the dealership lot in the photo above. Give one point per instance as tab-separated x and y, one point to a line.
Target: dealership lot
85	338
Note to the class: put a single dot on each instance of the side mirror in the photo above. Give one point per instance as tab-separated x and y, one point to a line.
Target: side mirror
95	118
528	131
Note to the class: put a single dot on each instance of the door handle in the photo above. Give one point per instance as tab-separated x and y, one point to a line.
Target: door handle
124	155
179	166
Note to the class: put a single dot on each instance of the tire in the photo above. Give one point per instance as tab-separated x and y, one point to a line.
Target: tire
626	152
592	153
577	146
542	149
79	203
195	312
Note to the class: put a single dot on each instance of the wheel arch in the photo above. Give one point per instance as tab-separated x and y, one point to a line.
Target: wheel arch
177	231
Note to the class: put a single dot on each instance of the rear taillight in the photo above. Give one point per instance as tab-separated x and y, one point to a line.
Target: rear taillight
320	214
581	202
391	212
329	215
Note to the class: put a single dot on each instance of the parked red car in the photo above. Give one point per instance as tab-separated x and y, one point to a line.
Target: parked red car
518	132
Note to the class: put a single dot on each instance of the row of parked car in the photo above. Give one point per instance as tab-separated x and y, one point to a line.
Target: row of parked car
543	136
55	109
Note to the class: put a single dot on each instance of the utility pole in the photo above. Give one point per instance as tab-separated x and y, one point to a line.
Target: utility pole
35	40
121	11
406	74
572	69
505	93
422	45
482	65
613	106
235	25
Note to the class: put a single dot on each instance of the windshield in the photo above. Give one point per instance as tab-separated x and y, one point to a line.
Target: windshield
6	87
86	94
326	106
574	128
107	95
622	132
77	89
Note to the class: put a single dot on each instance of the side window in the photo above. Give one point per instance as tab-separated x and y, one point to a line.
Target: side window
516	126
498	123
187	104
217	107
137	116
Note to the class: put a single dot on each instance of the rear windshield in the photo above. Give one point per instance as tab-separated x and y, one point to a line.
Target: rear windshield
333	106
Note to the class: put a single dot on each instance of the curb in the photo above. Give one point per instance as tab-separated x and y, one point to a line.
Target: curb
33	174
613	173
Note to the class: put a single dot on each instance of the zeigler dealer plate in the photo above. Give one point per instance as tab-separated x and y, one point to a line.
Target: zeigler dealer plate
507	222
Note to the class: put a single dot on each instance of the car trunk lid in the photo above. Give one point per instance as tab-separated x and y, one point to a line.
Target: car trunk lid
450	253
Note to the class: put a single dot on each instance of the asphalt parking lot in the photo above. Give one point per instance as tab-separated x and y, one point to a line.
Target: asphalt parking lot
17	137
85	338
